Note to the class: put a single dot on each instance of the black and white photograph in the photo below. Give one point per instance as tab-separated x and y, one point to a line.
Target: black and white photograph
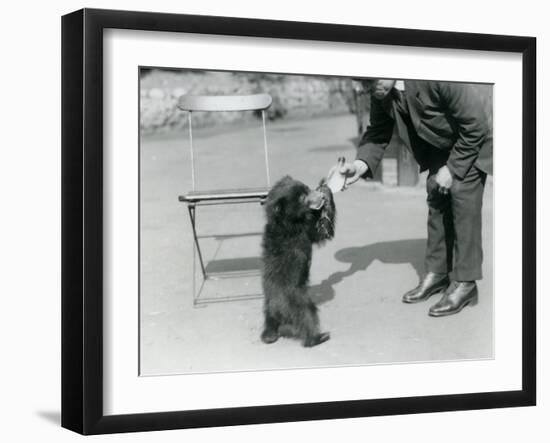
275	222
302	221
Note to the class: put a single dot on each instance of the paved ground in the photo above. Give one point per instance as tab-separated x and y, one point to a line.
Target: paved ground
358	278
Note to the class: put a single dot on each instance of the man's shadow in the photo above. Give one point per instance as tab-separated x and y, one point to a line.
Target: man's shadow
360	258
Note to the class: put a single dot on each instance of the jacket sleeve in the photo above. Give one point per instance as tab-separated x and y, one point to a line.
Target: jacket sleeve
466	109
376	137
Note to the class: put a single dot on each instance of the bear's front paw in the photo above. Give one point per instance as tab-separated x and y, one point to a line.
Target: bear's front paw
270	336
316	339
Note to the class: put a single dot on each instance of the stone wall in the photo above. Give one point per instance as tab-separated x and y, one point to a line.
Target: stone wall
293	96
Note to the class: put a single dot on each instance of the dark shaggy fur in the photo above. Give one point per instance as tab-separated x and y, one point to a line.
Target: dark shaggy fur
297	218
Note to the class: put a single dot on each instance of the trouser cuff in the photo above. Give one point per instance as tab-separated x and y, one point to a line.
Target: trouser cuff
466	275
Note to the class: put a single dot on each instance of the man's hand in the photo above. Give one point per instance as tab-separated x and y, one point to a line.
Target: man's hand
444	179
353	171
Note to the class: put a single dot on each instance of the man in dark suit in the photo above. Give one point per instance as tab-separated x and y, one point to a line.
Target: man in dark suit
447	129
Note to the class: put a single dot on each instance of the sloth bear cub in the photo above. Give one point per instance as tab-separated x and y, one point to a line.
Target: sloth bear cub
297	218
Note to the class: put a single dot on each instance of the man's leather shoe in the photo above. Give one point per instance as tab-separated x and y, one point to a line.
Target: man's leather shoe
457	295
431	284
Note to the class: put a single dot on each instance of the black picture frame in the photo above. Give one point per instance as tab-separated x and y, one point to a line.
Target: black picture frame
82	218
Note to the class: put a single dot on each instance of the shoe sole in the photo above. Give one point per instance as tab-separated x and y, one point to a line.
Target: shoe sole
433	292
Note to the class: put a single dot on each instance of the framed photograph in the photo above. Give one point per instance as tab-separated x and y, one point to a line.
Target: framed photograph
269	221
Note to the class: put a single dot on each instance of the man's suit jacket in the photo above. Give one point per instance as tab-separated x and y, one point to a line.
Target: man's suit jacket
440	122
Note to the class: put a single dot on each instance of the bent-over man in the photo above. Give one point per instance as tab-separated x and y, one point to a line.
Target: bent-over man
447	130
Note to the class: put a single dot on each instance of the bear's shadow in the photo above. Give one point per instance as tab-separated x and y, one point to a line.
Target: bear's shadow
361	257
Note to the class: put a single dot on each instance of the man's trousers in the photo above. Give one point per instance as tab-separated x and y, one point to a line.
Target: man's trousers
454	227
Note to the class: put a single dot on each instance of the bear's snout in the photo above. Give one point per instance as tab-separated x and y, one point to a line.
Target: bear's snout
315	200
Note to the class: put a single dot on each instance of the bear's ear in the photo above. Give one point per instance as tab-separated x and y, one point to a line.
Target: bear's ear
285	180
